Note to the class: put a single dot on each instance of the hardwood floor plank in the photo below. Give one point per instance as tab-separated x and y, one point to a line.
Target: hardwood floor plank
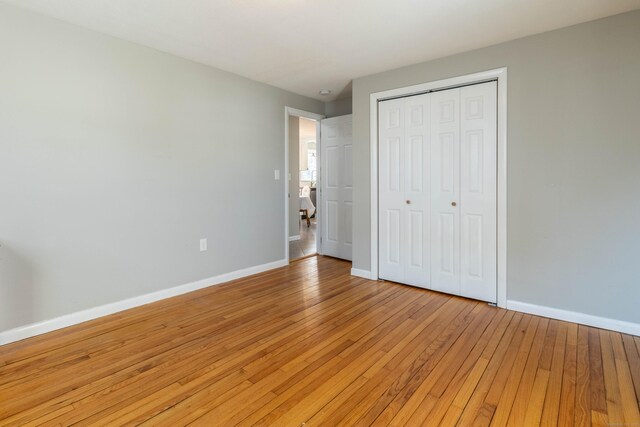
614	411
552	399
454	390
583	384
537	329
536	403
378	376
402	365
568	395
633	358
529	376
195	383
343	371
472	406
309	343
291	367
430	372
463	395
598	399
625	380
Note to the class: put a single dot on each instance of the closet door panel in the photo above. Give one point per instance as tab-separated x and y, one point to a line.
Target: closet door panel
478	191
445	190
391	183
417	238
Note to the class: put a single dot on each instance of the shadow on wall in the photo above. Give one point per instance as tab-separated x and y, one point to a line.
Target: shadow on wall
346	91
16	289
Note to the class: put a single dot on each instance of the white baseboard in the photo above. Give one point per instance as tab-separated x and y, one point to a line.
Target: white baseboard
366	274
45	326
294	238
575	317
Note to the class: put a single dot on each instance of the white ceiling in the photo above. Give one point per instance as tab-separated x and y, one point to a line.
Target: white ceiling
307	45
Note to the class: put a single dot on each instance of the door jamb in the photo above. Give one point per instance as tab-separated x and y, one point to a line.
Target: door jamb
499	74
289	111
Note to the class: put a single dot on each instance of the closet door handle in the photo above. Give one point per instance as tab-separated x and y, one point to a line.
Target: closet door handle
408	202
454	204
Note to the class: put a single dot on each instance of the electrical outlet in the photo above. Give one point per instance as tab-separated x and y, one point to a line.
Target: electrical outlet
203	245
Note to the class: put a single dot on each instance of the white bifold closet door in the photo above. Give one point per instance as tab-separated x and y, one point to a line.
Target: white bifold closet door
404	190
437	190
336	190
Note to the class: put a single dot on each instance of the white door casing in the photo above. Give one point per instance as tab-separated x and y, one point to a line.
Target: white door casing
337	186
438	190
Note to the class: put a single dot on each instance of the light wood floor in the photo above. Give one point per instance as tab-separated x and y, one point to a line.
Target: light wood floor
311	345
307	244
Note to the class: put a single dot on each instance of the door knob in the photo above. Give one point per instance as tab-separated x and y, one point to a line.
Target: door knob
408	202
454	204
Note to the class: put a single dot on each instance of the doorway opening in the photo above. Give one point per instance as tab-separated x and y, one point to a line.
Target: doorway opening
303	169
302	178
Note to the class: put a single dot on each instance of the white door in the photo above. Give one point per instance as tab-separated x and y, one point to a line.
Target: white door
404	190
456	207
336	190
478	191
445	199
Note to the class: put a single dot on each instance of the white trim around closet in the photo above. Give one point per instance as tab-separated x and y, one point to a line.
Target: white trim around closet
499	74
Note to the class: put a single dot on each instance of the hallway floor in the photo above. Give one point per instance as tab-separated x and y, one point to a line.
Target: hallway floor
307	244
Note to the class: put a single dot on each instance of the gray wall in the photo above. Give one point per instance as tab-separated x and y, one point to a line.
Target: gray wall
573	162
294	170
339	107
115	160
